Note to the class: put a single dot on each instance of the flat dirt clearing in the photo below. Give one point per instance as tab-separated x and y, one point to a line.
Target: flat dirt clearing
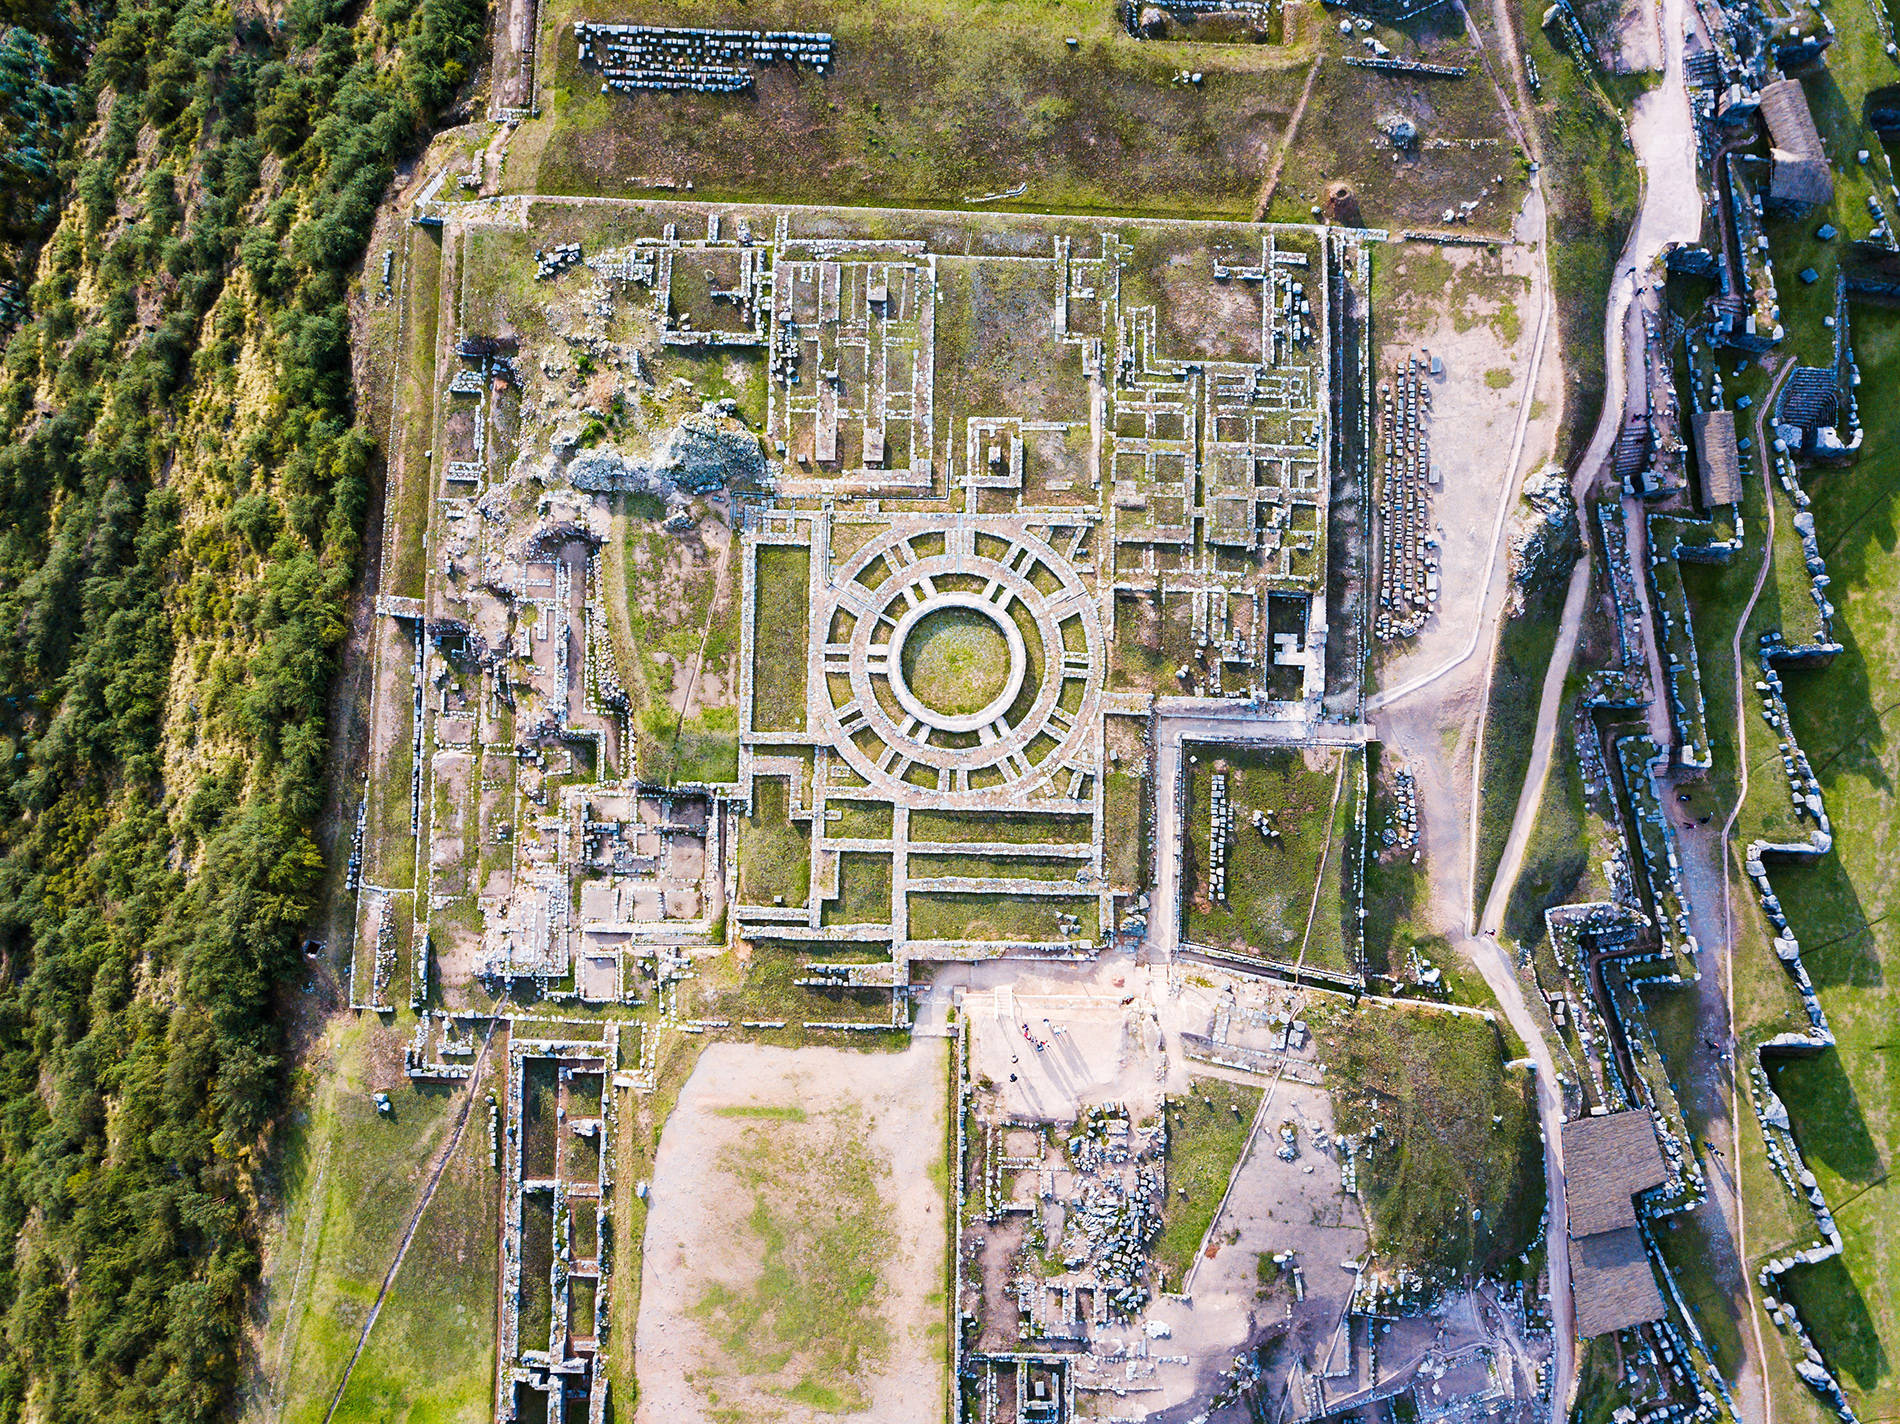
796	1246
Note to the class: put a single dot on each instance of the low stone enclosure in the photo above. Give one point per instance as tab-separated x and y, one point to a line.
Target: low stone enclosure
558	1230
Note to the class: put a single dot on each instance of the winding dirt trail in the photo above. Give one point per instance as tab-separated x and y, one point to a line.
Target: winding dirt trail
1662	133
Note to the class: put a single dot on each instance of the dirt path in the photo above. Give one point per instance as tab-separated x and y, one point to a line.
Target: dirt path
1661	132
1268	188
442	1161
1494	962
1724	1190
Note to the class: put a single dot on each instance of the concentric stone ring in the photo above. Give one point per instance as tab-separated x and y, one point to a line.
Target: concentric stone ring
1012	682
901	708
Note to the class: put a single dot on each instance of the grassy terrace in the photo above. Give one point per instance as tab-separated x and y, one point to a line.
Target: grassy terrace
351	1179
864	890
410	493
762	985
922	107
681	634
1517	681
929	105
1846	1104
1433	1081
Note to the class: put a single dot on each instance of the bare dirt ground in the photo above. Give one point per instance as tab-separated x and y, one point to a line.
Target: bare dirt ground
1104	1051
1112	1032
1274	1206
717	1335
1483	330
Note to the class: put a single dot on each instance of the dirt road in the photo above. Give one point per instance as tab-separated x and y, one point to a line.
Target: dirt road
1661	130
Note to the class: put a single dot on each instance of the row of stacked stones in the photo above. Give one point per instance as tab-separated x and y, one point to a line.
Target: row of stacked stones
1407	565
705	61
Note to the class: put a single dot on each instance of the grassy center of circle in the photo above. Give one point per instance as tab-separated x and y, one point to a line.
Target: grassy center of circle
956	661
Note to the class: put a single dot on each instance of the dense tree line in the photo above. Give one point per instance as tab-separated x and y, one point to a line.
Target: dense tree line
182	495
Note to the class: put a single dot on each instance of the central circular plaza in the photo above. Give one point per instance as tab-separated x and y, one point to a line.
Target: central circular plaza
962	663
959	662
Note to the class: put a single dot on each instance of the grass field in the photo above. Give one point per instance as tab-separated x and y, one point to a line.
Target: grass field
1433	1081
955	661
774	850
765	987
861	820
864	890
782	611
1464	142
977	827
352	1178
1125	826
1205	1139
1271	908
927	104
680	599
1000	917
817	1228
410	496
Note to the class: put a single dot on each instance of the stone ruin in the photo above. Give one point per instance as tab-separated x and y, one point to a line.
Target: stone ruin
704	61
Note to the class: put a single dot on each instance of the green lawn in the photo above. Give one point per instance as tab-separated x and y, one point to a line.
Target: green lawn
774	850
1592	186
1125	827
1434	1081
352	1177
1206	1135
864	890
781	611
977	916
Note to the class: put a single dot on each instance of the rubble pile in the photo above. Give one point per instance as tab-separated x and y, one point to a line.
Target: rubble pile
556	260
1401	833
1220	829
1533	543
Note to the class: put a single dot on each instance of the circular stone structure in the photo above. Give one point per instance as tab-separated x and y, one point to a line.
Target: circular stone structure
963	662
913	628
